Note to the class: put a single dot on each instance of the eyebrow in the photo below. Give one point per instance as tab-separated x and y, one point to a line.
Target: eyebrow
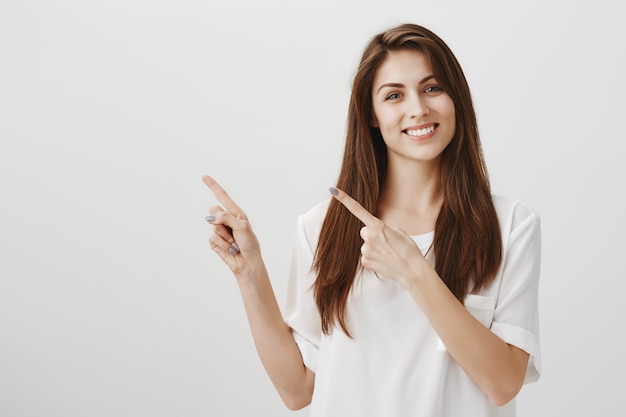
398	85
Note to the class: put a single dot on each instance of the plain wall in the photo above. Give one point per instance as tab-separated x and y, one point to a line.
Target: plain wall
112	303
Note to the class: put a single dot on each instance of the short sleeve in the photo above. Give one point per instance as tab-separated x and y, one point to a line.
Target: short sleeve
516	315
301	314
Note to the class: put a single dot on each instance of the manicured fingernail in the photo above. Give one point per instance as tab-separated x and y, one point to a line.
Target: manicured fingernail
234	245
232	251
209	218
333	191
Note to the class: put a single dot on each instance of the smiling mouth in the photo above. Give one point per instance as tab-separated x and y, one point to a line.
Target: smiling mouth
416	133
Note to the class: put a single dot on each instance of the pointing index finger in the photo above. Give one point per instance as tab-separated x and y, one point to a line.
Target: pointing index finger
221	194
354	207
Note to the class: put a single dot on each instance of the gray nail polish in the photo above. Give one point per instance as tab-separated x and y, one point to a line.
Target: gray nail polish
234	245
232	251
209	218
333	191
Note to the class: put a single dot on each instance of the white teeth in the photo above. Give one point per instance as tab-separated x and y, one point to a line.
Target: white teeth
421	132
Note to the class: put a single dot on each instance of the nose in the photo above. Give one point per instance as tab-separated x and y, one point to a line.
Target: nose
417	106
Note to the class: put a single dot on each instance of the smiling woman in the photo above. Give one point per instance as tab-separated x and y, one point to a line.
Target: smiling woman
413	106
413	289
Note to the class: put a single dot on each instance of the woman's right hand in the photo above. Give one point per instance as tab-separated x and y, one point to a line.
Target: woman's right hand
235	242
232	239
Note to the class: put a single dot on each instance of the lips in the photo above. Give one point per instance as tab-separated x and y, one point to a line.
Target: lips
420	131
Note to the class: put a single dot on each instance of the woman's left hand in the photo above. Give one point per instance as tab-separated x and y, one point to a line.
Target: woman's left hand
386	250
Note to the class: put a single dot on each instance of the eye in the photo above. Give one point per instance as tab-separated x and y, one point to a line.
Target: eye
392	96
433	89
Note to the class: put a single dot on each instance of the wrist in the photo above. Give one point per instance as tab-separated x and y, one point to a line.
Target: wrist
417	273
252	272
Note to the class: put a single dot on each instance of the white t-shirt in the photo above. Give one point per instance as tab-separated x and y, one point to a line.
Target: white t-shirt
396	365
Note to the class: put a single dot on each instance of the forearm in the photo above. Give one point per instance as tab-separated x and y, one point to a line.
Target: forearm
234	241
273	339
496	367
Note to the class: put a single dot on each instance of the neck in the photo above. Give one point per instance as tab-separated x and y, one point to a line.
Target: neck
412	196
411	186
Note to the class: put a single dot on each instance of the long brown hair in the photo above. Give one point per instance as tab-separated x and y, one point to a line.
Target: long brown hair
467	243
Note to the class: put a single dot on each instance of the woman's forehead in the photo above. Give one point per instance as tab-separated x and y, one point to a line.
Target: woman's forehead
403	66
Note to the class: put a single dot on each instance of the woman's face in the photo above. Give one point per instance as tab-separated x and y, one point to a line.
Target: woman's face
415	116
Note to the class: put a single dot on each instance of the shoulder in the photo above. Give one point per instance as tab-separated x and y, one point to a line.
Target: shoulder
316	213
310	222
514	214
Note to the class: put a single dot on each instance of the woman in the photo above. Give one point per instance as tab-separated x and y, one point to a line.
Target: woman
413	291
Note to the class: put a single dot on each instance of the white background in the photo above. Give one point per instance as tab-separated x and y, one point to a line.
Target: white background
112	303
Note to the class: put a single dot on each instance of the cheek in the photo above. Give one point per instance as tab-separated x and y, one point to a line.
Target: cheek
385	118
453	119
450	114
451	109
